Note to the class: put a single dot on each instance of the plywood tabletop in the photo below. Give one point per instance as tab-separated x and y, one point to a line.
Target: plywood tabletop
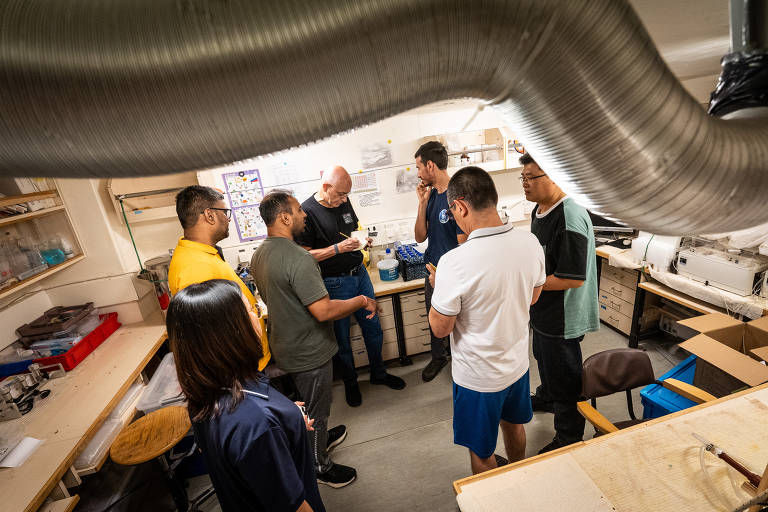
75	410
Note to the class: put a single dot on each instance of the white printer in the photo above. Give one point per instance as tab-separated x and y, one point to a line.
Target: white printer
728	271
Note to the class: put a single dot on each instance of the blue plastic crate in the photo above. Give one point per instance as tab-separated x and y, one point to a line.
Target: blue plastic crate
8	369
658	401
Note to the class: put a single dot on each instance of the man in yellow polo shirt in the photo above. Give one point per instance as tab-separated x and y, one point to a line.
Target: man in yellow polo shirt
204	216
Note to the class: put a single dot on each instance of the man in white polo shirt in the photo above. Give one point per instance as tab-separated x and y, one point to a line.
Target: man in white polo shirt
483	292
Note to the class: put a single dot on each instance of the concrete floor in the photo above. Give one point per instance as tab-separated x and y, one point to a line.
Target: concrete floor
401	442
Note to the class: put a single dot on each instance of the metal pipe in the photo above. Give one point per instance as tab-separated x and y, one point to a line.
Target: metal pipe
139	87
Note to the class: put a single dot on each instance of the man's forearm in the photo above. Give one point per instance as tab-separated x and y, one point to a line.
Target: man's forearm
558	283
323	254
339	309
420	228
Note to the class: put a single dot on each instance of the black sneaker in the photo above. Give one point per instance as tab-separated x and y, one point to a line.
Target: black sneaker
338	476
390	381
540	405
352	394
554	445
432	369
500	461
336	436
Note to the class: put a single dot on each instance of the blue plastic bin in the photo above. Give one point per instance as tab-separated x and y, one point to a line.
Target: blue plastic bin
658	401
8	369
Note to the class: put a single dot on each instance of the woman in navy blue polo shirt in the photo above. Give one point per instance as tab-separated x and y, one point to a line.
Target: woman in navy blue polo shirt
253	438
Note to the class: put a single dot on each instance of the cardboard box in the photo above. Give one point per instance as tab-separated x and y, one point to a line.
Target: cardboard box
726	354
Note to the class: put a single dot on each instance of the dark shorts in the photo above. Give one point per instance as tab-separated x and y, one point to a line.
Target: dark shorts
476	415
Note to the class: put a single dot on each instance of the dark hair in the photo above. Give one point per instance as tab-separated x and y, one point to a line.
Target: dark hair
475	186
192	201
527	159
214	344
435	152
273	204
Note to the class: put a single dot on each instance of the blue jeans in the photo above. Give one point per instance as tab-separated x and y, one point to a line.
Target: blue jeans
346	287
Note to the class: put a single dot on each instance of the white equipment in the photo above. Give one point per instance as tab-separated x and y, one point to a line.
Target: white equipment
734	273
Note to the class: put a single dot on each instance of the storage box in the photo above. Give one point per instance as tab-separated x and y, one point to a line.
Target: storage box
658	401
85	346
164	388
725	348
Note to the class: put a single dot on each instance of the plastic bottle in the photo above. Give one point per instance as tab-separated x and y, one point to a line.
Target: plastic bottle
16	258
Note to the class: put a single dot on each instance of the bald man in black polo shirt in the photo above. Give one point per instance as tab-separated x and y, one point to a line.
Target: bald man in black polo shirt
329	214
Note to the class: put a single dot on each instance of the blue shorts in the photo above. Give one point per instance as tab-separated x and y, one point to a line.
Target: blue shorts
476	415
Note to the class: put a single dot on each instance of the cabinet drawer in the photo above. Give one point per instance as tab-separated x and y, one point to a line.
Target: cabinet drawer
416	330
617	290
357	342
418	344
412	301
387	322
616	304
388	351
385	306
622	322
622	276
414	317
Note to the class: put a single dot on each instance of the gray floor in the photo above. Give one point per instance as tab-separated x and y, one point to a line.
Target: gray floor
401	442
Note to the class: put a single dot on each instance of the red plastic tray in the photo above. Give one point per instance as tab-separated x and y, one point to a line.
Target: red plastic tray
85	346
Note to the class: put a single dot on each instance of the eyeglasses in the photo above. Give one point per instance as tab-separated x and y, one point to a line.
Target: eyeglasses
451	207
227	211
341	194
526	179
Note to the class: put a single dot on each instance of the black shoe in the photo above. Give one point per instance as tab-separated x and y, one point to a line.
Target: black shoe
432	369
540	405
352	394
390	381
500	461
554	445
336	436
337	476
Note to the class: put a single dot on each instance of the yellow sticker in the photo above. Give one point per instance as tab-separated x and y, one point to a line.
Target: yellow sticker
389	141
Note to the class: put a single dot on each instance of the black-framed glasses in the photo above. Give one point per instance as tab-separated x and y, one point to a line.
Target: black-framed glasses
526	179
451	208
227	211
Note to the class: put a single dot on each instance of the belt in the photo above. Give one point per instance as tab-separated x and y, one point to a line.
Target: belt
355	271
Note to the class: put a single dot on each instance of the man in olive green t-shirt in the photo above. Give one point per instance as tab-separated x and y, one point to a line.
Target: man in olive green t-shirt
300	324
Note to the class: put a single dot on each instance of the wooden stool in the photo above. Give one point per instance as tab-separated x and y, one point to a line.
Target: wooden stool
151	437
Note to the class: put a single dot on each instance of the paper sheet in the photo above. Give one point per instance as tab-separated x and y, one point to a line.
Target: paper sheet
558	483
20	453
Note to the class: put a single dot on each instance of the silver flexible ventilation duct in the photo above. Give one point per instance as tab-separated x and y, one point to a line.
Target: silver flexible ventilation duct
139	87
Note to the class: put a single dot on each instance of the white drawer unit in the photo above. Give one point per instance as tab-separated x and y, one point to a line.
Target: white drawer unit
622	276
415	317
418	344
416	330
385	306
616	304
412	301
617	290
388	352
621	322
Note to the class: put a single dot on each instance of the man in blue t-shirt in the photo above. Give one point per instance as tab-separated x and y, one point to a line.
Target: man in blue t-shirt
434	223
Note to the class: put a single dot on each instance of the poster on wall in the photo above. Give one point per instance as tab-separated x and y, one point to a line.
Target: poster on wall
245	191
406	180
364	182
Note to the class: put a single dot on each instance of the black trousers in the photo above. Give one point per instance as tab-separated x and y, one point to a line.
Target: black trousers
559	362
437	345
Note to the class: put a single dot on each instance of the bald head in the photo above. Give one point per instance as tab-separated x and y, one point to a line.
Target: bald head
335	187
337	176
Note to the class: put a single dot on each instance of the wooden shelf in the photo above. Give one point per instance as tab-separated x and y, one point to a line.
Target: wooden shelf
42	275
25	198
30	215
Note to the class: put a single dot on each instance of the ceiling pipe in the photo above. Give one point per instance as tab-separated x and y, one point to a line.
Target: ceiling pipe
138	87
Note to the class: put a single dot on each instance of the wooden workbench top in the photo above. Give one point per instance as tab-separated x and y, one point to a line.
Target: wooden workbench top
75	410
382	288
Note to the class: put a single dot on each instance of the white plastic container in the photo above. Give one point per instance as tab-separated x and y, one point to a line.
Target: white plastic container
128	400
388	270
97	448
164	388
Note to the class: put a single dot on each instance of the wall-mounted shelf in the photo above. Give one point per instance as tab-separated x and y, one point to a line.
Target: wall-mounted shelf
42	275
5	221
26	198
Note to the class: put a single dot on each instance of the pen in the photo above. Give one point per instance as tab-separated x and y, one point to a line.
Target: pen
342	234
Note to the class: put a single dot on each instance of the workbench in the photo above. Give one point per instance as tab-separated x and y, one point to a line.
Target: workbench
649	467
73	413
403	319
